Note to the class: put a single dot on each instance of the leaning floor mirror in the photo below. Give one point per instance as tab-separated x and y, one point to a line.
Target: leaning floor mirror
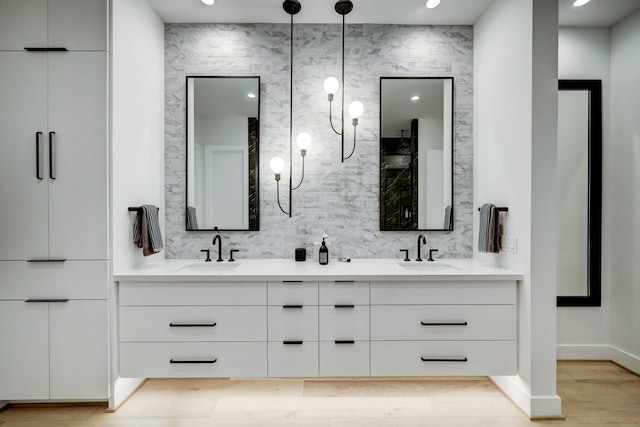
579	193
223	144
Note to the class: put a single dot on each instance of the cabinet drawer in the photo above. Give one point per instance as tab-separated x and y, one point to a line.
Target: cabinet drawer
175	360
193	323
344	292
444	322
293	323
400	358
477	292
292	293
344	322
293	360
23	280
193	293
344	359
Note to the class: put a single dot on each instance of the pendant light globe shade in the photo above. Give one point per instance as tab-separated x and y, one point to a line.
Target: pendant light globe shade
356	108
303	140
432	4
276	164
331	85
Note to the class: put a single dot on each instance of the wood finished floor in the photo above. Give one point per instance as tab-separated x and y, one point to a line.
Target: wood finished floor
593	393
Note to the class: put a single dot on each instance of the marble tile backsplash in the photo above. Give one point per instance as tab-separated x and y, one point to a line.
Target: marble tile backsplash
339	199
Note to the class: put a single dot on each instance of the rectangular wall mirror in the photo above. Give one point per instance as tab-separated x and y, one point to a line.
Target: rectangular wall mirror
416	153
223	144
579	186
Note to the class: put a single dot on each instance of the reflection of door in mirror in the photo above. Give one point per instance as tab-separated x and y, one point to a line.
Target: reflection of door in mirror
222	153
416	146
579	192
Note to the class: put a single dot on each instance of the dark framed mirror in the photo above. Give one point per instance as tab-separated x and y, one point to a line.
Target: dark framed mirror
223	146
579	198
416	153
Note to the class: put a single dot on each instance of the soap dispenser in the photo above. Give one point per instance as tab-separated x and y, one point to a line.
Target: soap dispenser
323	254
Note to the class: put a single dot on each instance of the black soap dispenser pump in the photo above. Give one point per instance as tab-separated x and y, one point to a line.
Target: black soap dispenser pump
323	254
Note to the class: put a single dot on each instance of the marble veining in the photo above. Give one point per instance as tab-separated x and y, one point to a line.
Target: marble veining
339	199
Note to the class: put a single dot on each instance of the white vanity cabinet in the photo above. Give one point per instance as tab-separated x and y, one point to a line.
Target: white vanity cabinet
443	328
73	24
344	328
193	329
293	328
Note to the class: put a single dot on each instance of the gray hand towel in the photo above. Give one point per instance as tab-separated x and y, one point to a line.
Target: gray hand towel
146	230
448	217
192	221
488	238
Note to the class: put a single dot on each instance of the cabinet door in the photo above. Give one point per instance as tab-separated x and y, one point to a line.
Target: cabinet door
78	205
79	338
78	24
23	197
23	23
24	353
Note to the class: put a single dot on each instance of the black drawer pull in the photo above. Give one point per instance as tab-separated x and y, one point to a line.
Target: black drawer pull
292	306
443	359
344	306
444	323
292	342
344	281
199	361
344	342
192	325
45	49
46	260
292	281
48	300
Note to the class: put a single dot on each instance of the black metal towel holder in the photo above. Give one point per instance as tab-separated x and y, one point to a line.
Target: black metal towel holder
137	209
499	209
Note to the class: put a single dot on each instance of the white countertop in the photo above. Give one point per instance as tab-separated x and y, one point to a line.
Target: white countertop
280	269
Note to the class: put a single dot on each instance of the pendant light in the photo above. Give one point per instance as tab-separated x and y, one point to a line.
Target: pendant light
303	140
331	86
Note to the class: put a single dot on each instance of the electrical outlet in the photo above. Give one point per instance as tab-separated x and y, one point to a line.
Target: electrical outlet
509	244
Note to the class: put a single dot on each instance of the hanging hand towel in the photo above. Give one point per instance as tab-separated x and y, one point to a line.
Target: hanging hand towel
146	230
488	239
192	221
448	217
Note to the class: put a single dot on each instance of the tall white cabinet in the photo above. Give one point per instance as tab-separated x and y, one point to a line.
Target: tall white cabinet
54	200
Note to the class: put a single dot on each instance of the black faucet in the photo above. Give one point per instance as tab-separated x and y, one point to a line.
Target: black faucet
218	239
420	238
406	254
431	251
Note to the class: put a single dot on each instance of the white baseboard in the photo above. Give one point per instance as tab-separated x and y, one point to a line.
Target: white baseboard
626	360
599	352
122	390
516	389
583	352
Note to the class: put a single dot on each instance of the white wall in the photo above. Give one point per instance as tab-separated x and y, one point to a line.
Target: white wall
515	118
622	239
138	122
583	53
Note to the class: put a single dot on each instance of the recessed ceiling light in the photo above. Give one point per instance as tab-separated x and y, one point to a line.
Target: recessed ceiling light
208	2
251	95
432	4
578	3
415	97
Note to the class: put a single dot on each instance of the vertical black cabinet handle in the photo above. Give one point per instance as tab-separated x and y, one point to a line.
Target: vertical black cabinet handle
51	174
38	173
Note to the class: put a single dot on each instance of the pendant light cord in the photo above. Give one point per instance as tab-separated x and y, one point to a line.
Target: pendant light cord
342	118
291	117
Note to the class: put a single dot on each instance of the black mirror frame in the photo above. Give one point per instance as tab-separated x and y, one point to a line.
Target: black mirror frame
453	138
594	217
254	163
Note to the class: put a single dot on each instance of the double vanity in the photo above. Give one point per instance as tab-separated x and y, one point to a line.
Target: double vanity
281	318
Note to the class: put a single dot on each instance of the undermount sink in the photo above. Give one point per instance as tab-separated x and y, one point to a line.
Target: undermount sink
426	266
210	266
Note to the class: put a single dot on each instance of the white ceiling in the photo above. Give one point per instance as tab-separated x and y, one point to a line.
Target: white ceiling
411	12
